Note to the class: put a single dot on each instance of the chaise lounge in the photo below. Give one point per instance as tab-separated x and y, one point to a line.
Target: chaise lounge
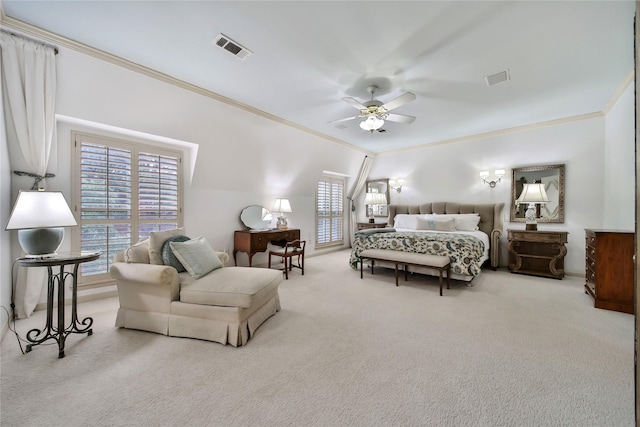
225	304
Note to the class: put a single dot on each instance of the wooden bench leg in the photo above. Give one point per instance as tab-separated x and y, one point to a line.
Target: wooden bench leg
396	274
440	279
448	274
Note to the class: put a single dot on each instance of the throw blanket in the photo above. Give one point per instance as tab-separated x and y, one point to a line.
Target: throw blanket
464	251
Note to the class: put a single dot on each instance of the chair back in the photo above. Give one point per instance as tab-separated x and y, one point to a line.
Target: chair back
295	247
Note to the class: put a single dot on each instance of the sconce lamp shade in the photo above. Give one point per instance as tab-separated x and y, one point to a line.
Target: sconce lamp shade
39	217
532	194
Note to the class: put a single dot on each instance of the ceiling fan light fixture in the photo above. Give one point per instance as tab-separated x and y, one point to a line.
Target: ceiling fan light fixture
371	123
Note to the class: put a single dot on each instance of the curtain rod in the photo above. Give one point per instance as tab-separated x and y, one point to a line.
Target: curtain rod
55	48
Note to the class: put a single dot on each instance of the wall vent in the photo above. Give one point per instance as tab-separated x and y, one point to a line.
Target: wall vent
500	77
231	46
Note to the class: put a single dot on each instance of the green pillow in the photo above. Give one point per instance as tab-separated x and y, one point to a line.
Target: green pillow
197	256
168	257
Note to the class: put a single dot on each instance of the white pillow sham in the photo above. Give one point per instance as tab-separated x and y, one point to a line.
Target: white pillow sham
409	221
464	222
442	224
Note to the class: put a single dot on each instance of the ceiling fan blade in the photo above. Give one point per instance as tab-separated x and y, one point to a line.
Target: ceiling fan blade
343	120
401	100
354	102
400	118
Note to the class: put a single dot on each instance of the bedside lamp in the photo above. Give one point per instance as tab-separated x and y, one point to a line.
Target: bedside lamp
371	199
532	194
39	217
282	205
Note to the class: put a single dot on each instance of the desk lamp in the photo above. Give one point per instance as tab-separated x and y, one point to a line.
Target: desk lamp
532	194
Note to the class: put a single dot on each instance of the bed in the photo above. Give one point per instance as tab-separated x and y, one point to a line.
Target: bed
468	233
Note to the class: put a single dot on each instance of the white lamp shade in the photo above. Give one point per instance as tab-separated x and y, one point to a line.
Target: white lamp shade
375	199
40	209
282	205
533	193
484	174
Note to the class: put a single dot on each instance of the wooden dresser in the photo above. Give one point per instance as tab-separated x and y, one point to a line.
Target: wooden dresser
609	269
539	253
254	241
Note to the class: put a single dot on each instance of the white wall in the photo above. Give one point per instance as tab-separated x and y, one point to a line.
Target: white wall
619	161
449	172
242	158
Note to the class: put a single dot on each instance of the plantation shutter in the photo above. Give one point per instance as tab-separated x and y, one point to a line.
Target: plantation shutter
329	212
124	192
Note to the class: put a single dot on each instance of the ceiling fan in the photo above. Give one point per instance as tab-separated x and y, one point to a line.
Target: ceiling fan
375	112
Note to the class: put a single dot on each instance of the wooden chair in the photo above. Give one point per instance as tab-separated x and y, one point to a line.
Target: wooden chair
295	248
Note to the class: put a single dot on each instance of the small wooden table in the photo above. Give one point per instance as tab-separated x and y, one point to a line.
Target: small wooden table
538	253
254	241
59	332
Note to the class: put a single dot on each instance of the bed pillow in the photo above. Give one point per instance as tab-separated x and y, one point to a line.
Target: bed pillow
444	224
464	222
156	240
197	256
409	221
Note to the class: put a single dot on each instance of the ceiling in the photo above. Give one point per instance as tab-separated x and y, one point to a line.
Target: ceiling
565	59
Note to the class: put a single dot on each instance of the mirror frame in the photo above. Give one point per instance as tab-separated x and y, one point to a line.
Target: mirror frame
517	173
379	210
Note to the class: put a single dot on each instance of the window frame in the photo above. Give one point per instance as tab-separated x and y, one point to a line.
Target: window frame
135	148
331	243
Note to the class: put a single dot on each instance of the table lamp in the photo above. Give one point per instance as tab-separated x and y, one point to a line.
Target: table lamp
39	217
371	199
282	205
532	194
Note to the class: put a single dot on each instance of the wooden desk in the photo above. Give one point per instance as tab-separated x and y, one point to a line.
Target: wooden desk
540	253
254	241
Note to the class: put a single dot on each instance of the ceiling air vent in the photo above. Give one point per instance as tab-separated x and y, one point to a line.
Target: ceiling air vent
500	77
230	46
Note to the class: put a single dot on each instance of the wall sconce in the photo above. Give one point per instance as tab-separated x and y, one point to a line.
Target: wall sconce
484	175
396	184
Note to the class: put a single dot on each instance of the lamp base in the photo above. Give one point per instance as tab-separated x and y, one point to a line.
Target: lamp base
40	242
531	227
282	222
372	220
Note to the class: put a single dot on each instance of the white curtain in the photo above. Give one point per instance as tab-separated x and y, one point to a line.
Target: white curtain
361	179
29	91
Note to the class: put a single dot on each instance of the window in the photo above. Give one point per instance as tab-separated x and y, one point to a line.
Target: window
329	212
123	192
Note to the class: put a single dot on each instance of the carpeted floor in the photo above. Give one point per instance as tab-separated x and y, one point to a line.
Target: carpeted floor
509	351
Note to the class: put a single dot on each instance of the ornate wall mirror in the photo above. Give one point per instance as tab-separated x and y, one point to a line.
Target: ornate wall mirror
552	176
378	186
256	217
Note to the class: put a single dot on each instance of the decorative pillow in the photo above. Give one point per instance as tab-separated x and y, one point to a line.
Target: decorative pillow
445	224
408	221
197	256
464	222
138	253
168	257
156	240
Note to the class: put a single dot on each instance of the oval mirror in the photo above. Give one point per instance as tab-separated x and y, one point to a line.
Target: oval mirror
256	217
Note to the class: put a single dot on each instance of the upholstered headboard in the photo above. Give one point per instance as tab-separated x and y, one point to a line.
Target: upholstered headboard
490	219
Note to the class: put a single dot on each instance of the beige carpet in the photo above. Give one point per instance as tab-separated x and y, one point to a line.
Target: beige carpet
509	351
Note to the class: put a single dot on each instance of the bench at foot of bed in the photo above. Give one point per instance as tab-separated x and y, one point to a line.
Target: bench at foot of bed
442	263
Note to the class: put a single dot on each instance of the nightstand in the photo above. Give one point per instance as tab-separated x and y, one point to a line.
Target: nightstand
365	225
539	253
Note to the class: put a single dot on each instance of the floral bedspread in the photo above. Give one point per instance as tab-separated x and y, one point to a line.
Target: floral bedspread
464	251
